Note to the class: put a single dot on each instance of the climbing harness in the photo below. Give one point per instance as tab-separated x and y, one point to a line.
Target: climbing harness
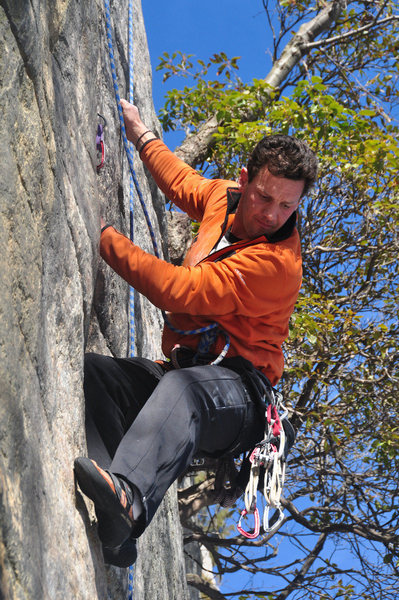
100	145
261	470
267	462
207	339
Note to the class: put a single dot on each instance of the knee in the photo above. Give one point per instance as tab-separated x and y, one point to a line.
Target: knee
93	366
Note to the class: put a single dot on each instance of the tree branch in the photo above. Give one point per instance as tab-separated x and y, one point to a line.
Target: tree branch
195	497
298	46
298	579
357	528
351	34
204	587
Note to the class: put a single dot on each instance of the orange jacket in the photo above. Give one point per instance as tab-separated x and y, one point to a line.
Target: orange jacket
248	288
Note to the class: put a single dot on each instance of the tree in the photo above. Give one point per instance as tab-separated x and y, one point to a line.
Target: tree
333	83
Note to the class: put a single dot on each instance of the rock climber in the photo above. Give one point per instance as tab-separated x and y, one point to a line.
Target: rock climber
146	420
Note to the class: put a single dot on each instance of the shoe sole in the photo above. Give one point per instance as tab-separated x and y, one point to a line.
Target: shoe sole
117	527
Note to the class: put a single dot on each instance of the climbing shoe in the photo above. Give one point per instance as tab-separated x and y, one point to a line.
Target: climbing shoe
122	556
112	497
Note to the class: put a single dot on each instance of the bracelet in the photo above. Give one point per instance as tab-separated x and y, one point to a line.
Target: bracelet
142	135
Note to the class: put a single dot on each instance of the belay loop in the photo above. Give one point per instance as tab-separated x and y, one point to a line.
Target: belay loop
208	337
269	456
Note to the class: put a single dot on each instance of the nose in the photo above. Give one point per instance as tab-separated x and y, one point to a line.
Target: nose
270	212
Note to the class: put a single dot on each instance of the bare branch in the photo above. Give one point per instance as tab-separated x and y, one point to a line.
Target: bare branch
298	46
204	586
195	497
357	527
351	34
298	579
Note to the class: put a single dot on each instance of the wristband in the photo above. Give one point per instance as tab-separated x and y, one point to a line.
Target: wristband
142	135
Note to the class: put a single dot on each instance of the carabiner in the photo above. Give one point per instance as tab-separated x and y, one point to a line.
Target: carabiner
266	526
255	533
100	142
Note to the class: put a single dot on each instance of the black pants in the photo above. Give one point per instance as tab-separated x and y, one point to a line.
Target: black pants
147	425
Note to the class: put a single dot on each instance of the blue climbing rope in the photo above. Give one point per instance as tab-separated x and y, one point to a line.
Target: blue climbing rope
132	349
133	182
128	149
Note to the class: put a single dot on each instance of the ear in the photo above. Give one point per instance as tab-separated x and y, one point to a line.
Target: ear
243	179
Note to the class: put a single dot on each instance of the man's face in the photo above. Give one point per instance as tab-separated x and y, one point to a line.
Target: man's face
265	204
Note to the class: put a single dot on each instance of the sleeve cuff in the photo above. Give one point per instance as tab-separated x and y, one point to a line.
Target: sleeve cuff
146	143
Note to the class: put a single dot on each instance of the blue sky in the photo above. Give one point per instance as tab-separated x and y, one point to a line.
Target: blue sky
236	27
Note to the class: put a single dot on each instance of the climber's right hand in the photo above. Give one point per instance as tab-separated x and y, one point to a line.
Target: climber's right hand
135	128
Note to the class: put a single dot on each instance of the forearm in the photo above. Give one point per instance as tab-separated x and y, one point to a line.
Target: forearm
208	288
169	287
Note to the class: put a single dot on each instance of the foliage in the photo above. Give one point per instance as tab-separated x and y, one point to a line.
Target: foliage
342	357
182	108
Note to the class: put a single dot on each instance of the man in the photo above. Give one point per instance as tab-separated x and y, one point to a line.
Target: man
147	420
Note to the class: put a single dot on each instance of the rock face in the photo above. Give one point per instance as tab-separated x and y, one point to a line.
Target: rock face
58	300
179	236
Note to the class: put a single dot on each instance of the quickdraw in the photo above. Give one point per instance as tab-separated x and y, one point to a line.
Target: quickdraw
100	142
270	456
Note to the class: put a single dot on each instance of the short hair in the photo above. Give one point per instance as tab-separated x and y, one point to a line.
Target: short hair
284	156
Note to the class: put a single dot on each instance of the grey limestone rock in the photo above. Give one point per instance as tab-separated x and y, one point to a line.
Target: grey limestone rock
179	236
57	298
